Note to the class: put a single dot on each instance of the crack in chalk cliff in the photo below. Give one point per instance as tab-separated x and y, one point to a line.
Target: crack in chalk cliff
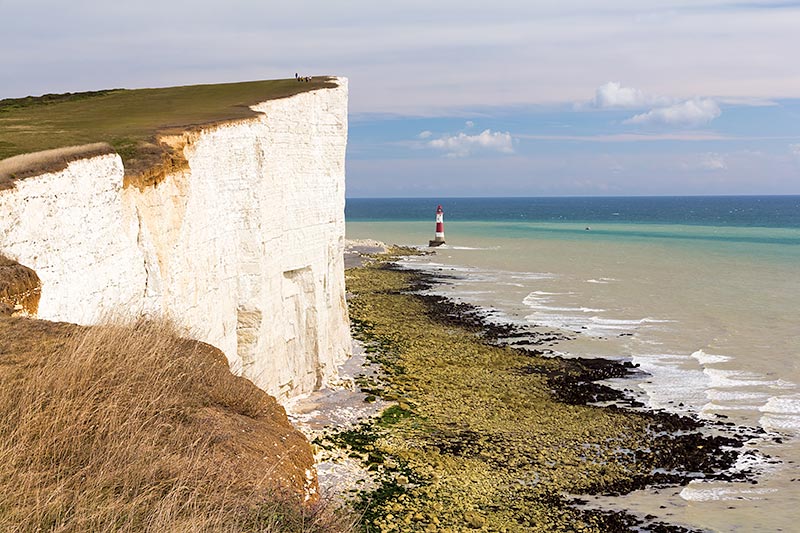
145	262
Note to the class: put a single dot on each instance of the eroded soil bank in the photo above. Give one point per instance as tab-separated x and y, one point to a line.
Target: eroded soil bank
493	438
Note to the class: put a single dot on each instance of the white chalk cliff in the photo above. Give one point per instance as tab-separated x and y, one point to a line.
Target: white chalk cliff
244	247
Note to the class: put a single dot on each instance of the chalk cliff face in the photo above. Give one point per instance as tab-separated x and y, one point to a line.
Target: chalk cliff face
244	247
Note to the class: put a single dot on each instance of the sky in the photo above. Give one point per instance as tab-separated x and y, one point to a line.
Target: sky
462	98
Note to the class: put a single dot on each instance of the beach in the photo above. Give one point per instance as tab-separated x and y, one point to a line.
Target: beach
708	318
487	436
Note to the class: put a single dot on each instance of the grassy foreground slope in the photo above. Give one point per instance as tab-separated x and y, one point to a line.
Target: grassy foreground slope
132	428
130	120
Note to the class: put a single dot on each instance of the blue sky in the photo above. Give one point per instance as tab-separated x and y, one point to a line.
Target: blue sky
465	98
578	149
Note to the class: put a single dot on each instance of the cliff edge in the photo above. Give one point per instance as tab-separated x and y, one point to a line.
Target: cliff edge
241	242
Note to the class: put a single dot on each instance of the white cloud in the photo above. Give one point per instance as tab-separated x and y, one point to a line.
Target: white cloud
469	124
795	149
613	95
565	47
693	112
712	161
462	145
748	101
425	134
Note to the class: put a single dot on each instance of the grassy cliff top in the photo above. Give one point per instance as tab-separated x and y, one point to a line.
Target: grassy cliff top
131	120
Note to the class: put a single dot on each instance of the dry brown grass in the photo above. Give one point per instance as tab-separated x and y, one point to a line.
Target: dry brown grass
131	428
26	165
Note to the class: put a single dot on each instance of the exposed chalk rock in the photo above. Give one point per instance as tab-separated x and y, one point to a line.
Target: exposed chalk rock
244	248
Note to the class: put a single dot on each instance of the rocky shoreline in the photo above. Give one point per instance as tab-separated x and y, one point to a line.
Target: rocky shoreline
485	434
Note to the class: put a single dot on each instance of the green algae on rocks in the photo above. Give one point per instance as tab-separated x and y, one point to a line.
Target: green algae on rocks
479	439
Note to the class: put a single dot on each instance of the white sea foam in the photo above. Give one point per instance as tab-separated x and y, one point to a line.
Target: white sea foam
575	319
727	379
534	299
462	294
713	407
420	264
625	322
530	276
781	423
701	491
783	404
601	281
709	359
728	395
781	413
672	382
578	309
754	462
538	296
782	384
547	312
473	274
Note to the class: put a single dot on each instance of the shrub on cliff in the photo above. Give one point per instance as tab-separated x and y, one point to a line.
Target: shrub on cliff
132	428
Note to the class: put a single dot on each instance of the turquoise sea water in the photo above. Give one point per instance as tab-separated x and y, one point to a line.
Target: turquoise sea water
703	293
745	220
739	211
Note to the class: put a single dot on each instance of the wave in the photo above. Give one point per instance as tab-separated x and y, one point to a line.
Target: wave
580	309
732	379
529	276
729	395
672	382
782	413
701	491
574	319
707	359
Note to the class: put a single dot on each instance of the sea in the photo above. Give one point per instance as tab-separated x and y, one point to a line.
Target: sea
703	293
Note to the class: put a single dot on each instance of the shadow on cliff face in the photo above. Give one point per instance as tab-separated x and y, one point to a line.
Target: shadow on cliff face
132	428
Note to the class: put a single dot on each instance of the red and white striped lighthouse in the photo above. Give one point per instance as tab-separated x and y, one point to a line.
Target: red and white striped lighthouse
438	239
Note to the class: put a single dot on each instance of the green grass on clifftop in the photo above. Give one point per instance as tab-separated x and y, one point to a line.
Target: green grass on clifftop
129	120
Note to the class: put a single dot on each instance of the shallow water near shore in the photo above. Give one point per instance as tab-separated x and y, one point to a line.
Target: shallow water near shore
709	312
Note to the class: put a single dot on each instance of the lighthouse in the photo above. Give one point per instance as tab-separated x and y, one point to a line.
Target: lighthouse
438	239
